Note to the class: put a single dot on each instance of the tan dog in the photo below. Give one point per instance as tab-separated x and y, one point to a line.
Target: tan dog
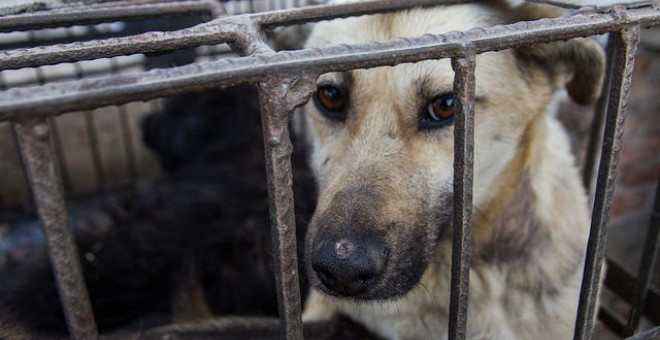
378	248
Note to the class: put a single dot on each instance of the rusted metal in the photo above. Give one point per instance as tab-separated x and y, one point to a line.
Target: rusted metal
218	31
142	43
596	130
94	93
283	86
223	30
48	194
601	5
626	45
121	10
323	12
464	84
645	272
278	98
126	135
651	334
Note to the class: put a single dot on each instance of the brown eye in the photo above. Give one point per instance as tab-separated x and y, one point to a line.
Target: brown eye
439	112
331	101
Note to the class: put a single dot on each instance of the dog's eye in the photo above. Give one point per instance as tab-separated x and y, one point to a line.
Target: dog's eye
439	112
331	101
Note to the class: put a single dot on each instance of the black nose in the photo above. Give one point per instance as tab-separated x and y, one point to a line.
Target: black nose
347	266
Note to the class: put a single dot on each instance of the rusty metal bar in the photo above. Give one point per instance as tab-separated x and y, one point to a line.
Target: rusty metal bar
93	136
653	333
625	43
96	49
94	148
121	11
596	129
645	272
278	98
127	137
464	84
93	93
205	34
218	31
307	14
47	190
595	4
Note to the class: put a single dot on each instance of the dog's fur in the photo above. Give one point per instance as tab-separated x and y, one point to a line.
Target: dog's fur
385	184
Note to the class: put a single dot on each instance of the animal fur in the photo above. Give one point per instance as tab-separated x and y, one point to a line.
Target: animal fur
189	246
385	184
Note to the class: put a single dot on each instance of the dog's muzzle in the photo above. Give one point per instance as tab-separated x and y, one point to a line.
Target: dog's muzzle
348	265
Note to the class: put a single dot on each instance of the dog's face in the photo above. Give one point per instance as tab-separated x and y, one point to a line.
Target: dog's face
382	149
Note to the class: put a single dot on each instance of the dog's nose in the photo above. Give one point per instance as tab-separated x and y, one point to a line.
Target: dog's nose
347	266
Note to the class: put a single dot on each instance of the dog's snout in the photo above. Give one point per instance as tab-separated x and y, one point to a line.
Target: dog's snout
348	266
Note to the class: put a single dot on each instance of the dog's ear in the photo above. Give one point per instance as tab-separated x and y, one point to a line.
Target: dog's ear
578	64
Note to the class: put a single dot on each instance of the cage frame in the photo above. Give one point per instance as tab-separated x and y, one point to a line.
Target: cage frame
286	81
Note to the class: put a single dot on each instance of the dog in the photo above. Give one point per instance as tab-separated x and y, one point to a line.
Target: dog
378	247
185	247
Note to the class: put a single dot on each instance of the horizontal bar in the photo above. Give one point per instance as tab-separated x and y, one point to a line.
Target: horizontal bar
326	12
96	49
625	43
143	44
52	99
600	5
211	33
120	11
651	334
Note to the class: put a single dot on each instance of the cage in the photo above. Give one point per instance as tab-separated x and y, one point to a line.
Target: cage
77	76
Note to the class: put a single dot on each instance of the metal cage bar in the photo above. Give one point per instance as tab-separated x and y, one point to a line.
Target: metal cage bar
283	87
625	43
275	114
464	85
88	94
34	138
105	12
596	131
645	272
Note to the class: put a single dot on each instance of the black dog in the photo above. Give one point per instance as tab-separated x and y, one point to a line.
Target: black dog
189	245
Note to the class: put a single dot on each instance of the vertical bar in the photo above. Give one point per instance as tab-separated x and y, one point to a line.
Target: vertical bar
275	114
595	134
464	83
625	43
127	138
54	132
91	130
47	190
95	149
645	273
30	204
